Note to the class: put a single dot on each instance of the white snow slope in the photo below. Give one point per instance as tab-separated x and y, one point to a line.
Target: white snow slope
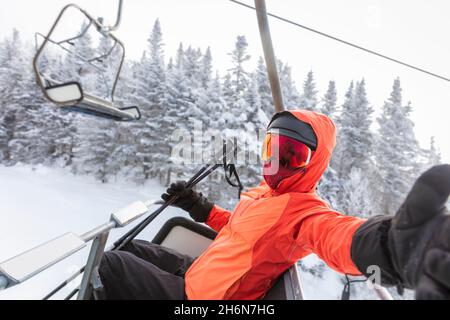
39	204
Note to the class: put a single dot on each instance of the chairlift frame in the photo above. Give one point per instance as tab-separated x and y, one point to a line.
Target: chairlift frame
87	103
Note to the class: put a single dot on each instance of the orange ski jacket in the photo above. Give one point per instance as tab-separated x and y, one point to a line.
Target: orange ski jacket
270	230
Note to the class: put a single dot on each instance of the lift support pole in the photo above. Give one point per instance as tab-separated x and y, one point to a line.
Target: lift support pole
269	55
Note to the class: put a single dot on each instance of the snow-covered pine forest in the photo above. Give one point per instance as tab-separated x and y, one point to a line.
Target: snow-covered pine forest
375	163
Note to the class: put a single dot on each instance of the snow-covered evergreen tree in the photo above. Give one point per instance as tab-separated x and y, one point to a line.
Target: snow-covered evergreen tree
251	134
178	96
216	102
27	123
228	93
434	155
329	101
31	141
240	81
75	69
356	195
93	151
355	139
206	69
264	88
239	75
192	69
353	155
149	90
183	83
109	63
396	151
291	97
154	66
129	92
330	187
8	52
98	139
253	100
308	100
14	91
59	134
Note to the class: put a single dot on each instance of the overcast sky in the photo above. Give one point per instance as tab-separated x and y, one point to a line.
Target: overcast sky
412	30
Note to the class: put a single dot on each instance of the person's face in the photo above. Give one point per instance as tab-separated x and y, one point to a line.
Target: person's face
283	157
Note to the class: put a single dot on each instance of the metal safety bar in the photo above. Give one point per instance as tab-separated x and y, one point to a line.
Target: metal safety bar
30	263
48	80
78	56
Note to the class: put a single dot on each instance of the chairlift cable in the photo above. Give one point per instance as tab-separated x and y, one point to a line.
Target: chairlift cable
346	42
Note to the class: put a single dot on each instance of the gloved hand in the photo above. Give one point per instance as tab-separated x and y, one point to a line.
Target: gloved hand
193	202
412	249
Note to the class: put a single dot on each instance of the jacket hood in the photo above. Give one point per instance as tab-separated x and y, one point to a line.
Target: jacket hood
325	130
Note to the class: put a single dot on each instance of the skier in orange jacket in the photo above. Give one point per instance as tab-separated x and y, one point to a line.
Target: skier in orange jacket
283	220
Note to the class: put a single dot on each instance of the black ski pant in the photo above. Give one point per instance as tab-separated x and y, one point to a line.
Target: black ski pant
144	271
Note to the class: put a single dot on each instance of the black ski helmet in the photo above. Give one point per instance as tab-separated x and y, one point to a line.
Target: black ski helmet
285	123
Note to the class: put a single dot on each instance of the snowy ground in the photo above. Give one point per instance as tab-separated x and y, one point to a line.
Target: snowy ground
41	204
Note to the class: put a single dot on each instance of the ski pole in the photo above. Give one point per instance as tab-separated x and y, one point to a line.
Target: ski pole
118	244
121	242
138	229
200	175
205	171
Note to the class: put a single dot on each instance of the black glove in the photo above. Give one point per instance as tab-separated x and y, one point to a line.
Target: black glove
412	249
193	202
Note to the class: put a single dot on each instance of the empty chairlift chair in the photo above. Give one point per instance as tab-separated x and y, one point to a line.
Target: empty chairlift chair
69	95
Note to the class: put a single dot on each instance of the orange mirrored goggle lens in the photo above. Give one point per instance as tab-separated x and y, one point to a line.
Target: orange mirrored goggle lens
289	152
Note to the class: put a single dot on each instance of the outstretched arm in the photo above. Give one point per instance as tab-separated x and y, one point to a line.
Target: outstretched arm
329	235
411	249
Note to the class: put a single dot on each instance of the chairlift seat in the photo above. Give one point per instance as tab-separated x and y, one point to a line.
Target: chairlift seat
191	238
101	107
87	103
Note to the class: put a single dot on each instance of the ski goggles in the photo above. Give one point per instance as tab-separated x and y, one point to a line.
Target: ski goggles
289	152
